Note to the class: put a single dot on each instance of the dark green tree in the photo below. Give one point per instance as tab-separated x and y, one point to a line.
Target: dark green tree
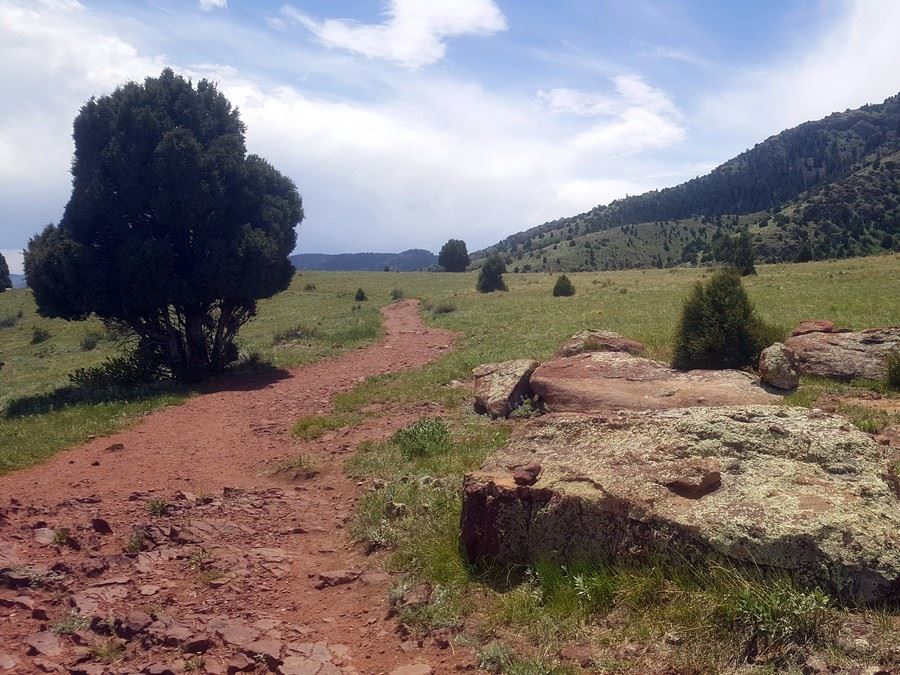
5	281
563	287
453	256
172	230
719	327
490	278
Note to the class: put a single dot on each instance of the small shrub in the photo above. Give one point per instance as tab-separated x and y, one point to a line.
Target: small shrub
71	624
428	436
893	370
360	295
443	308
107	651
90	341
490	278
777	614
39	335
298	467
563	287
157	507
309	287
125	370
314	426
719	327
294	334
396	294
8	322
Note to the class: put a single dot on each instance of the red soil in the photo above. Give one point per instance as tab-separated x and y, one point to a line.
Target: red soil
270	540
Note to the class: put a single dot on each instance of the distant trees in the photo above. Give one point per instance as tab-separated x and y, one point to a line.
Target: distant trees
5	281
172	230
719	327
490	278
453	256
738	252
563	287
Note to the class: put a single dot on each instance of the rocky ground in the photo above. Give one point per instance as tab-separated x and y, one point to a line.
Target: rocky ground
175	546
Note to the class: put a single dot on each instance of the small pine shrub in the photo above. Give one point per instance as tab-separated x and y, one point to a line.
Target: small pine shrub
563	287
428	436
490	278
360	295
39	335
719	327
893	370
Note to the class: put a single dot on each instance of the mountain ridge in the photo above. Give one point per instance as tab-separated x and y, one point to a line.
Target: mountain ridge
409	260
807	190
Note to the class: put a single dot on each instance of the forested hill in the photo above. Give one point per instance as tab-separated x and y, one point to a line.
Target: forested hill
406	261
787	175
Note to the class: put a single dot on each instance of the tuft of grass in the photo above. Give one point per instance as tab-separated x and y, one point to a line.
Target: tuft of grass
298	467
39	334
71	624
443	308
296	333
157	506
396	294
314	426
62	537
893	371
107	651
427	436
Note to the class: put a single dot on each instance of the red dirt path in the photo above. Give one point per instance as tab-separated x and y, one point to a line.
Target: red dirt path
270	540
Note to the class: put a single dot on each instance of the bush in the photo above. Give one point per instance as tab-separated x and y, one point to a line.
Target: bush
396	294
125	370
443	308
428	436
719	327
294	334
360	295
563	287
490	278
90	341
893	370
39	335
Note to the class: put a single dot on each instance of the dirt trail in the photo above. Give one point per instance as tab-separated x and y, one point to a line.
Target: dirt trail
244	572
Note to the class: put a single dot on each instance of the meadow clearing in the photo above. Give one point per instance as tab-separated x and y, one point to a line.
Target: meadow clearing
518	621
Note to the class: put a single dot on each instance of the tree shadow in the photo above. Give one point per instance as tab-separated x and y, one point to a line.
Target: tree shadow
240	378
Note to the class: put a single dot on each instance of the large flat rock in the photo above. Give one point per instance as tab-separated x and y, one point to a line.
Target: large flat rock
845	355
780	488
602	381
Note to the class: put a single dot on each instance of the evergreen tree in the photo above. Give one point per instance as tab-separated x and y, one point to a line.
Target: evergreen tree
453	256
5	281
172	231
563	287
490	278
719	327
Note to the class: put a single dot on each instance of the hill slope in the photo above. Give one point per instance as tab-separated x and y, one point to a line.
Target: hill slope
828	188
407	261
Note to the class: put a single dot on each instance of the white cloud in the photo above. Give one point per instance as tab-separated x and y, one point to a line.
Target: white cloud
209	5
429	158
413	33
13	258
853	62
635	117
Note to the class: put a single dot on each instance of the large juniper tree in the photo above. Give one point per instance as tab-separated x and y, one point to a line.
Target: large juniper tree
454	257
5	281
172	229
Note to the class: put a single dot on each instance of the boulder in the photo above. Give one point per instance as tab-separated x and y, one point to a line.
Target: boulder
599	341
784	489
600	381
847	355
805	327
501	387
776	368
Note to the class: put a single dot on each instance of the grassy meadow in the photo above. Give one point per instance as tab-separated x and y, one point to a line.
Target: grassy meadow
517	621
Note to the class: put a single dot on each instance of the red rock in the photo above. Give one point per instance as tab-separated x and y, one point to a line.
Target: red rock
604	381
845	356
499	388
599	341
805	327
44	643
337	578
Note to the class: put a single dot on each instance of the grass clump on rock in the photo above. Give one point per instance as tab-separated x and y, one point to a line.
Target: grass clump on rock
563	287
893	370
719	326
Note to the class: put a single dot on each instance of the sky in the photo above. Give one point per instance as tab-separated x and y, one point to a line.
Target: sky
407	122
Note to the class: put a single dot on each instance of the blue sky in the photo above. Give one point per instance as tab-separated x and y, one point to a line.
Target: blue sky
406	122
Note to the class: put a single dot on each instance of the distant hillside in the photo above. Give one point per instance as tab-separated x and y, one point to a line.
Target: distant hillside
407	261
824	189
18	280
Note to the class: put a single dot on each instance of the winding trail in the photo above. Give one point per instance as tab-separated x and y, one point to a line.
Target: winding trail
238	572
